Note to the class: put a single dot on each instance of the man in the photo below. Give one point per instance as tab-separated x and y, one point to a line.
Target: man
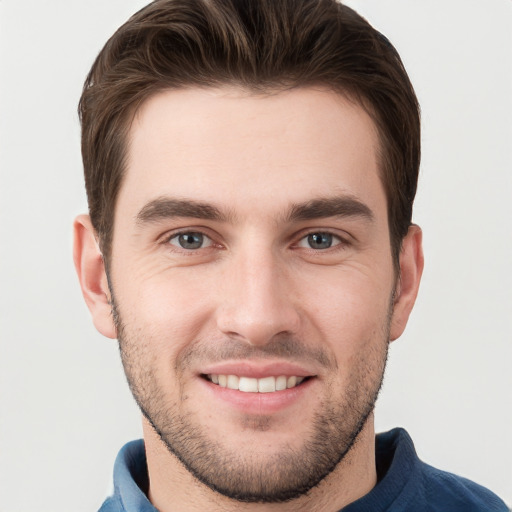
250	169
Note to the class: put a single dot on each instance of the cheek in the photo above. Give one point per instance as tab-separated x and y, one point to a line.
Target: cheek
350	307
169	308
353	321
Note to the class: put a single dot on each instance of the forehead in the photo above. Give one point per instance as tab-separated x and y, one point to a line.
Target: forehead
230	146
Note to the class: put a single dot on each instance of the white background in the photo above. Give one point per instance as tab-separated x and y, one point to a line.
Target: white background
65	409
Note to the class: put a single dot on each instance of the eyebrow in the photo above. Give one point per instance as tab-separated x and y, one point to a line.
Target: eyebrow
165	208
339	206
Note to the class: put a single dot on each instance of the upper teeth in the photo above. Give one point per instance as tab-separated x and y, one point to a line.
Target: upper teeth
250	385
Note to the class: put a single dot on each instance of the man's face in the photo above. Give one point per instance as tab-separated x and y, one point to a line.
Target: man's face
251	248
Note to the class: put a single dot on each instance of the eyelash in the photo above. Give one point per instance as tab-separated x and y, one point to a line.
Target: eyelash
339	242
175	235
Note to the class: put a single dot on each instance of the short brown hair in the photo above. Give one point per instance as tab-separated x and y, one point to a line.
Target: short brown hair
260	45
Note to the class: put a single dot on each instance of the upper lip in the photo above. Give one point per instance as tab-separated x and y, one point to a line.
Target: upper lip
258	370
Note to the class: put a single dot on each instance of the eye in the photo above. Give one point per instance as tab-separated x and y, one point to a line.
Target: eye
190	240
319	241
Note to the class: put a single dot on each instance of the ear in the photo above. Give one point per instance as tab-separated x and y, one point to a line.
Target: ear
411	268
92	276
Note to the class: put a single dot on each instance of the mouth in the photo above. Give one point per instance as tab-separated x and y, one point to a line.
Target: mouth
268	384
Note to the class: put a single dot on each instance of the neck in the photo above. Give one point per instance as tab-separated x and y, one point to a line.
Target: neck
172	487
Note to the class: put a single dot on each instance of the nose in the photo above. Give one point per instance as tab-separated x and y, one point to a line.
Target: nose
257	301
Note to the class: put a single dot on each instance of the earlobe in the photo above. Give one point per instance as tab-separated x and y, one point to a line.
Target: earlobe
411	268
90	268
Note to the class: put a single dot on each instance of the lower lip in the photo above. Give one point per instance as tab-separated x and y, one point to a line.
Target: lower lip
258	403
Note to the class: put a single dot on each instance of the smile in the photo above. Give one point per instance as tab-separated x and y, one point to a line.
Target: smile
252	385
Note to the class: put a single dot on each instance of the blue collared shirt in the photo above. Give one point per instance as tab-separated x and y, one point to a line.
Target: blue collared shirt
406	484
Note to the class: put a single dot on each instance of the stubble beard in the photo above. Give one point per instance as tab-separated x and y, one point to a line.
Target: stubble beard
283	476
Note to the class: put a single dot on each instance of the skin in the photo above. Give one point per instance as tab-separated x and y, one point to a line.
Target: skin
256	293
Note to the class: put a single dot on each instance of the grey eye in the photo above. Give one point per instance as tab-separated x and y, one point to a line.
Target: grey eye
319	241
190	240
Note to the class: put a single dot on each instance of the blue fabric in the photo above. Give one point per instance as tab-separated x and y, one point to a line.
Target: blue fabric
130	481
405	483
